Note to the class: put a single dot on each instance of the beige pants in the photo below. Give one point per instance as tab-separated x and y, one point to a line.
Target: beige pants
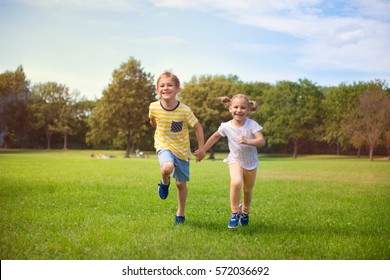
241	178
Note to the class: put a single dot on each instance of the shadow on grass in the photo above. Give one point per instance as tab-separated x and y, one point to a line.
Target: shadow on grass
263	228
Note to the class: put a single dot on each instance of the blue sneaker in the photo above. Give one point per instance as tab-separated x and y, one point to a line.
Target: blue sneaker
234	218
163	189
179	220
244	217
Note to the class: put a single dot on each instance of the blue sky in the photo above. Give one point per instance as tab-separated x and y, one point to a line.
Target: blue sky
80	43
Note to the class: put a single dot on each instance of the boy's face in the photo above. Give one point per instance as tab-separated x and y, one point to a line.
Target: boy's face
167	89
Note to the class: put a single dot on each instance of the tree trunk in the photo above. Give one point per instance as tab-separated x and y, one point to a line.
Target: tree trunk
48	138
129	147
371	157
296	146
338	149
212	154
65	141
358	152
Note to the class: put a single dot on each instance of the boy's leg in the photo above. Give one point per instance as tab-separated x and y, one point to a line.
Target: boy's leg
166	170
167	166
182	175
249	181
182	191
235	186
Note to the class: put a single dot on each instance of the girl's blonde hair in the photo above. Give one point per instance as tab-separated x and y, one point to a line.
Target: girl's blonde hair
169	74
228	101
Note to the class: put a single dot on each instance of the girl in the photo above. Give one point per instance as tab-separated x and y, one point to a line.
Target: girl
244	136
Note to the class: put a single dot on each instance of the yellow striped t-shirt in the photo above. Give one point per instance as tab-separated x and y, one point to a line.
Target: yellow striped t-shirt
172	128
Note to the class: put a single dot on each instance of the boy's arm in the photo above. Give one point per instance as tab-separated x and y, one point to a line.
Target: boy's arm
200	153
153	122
152	118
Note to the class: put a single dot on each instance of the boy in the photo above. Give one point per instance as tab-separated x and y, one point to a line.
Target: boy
171	119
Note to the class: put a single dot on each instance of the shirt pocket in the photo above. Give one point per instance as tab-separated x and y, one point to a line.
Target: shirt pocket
177	126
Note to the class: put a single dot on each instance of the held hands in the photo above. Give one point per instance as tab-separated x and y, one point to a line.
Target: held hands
199	155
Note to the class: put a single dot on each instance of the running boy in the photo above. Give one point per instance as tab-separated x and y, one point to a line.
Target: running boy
243	135
171	118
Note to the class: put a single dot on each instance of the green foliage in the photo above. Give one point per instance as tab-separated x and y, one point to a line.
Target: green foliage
298	115
13	107
337	103
120	118
53	107
369	120
201	95
292	112
67	205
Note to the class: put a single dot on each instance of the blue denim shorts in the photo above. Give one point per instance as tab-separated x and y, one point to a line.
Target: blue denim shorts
182	167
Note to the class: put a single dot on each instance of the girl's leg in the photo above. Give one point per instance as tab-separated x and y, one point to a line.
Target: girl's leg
249	181
235	186
181	197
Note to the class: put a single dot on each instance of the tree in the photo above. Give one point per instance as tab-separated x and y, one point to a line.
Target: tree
14	94
83	110
337	102
120	117
67	116
292	112
53	109
368	120
201	95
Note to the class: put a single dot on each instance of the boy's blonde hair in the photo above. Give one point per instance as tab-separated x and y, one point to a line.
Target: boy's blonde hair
169	74
228	101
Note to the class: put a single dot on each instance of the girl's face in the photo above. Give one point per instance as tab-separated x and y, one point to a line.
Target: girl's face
239	108
167	89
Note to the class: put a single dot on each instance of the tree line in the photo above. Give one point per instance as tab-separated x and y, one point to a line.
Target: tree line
297	117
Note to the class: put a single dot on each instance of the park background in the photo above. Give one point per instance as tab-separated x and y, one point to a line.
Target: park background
322	191
318	73
297	116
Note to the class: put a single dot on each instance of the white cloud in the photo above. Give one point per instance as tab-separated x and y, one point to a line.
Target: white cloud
372	8
350	34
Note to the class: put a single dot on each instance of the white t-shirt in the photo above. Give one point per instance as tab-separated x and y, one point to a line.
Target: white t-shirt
244	155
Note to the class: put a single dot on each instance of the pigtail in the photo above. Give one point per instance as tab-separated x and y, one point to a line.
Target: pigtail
225	100
252	105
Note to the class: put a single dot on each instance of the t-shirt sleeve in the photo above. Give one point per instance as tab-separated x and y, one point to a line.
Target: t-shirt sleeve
222	130
191	119
256	127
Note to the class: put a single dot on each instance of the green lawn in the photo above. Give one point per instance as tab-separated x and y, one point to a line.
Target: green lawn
67	205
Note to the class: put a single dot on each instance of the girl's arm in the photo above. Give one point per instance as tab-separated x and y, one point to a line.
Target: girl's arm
258	142
212	140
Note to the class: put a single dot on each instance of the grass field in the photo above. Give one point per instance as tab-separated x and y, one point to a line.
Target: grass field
67	205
